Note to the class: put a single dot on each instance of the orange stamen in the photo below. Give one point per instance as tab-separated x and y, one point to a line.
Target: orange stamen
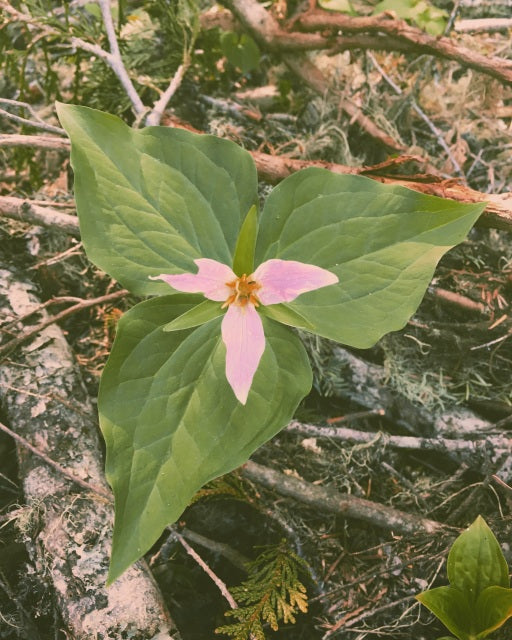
244	291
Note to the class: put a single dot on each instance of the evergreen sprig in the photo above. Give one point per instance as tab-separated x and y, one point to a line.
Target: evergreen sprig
272	593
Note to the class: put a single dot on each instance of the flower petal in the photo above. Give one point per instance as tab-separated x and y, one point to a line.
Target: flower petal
210	280
284	280
242	333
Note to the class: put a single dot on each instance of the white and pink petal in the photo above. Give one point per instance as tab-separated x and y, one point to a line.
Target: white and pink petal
242	333
284	280
210	280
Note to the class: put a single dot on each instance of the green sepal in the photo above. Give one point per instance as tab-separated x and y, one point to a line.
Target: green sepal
286	315
203	312
243	261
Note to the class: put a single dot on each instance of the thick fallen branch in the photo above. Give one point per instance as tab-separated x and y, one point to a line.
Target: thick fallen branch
273	169
44	400
347	506
30	211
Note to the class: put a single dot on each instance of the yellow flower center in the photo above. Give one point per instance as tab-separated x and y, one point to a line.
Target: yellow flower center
244	291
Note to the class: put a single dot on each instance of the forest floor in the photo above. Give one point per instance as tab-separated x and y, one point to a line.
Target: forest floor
446	375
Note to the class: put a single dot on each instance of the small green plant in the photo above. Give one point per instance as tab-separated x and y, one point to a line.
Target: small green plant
420	12
271	594
240	50
478	600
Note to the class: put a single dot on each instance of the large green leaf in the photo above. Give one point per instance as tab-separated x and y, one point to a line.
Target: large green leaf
170	420
152	201
476	562
383	242
493	608
452	608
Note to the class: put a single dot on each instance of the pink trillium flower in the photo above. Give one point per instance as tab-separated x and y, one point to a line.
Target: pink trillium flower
274	281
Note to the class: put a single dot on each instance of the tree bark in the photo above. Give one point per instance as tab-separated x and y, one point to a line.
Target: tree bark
44	399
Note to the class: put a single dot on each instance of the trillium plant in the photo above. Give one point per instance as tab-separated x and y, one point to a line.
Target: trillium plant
209	365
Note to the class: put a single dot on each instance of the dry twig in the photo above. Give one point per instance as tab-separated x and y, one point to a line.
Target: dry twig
13	344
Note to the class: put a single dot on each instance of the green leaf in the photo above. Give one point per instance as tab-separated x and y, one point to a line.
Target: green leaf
286	315
343	6
198	315
171	422
476	562
383	242
152	201
493	608
452	608
240	50
243	262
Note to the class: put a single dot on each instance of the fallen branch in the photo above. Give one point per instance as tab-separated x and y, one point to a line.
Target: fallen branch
29	211
483	445
347	506
488	25
405	34
41	142
273	169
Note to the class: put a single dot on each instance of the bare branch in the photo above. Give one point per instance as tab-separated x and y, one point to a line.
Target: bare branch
41	142
30	211
220	584
348	506
37	122
416	39
411	443
159	107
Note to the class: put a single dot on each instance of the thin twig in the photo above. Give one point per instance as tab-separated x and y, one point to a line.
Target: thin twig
55	465
159	107
85	304
214	577
31	123
236	558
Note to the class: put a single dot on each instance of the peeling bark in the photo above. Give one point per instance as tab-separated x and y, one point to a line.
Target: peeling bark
45	401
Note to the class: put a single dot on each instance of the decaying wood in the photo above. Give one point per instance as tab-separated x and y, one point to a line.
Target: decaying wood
44	401
348	506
